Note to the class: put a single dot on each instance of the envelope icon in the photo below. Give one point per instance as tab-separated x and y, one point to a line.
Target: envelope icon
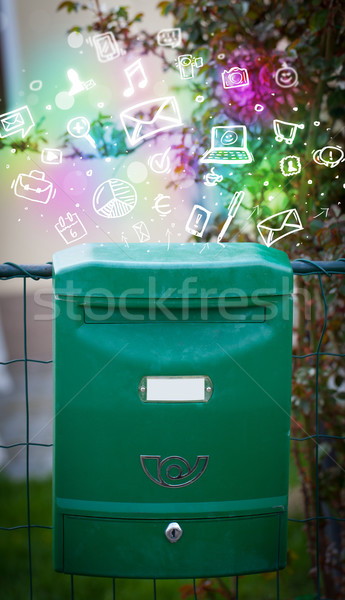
12	122
141	231
278	226
146	119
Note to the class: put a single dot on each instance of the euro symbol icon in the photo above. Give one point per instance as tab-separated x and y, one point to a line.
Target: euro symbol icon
161	208
15	121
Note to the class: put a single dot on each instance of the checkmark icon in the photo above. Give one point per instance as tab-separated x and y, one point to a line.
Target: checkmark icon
160	163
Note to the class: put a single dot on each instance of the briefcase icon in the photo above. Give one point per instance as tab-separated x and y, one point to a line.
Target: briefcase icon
71	229
34	187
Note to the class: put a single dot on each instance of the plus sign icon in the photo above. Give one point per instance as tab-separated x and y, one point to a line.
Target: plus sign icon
79	127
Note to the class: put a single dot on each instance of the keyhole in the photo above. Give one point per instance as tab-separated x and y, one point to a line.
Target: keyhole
173	532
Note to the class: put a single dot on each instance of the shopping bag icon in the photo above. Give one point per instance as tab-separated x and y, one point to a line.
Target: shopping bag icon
141	231
146	119
34	187
278	226
71	228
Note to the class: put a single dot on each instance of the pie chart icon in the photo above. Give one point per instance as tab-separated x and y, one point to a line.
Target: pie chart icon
114	198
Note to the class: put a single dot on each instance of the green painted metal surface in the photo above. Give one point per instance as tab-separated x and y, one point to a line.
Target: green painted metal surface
127	466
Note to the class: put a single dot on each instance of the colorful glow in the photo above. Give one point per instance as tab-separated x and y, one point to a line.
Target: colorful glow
170	156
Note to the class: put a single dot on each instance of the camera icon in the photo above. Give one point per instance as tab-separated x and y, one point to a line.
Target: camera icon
186	64
235	77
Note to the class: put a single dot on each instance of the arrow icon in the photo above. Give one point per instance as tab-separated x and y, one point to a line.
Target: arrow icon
257	207
321	213
168	233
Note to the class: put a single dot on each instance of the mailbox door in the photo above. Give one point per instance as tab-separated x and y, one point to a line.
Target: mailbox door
107	433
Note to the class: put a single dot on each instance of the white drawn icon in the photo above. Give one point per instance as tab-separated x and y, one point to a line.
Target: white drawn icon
36	85
329	156
51	156
79	127
141	231
235	78
278	226
160	162
284	131
106	46
187	64
198	220
212	178
70	228
324	211
34	187
114	198
169	37
232	210
286	76
162	209
228	146
77	85
15	121
135	69
290	165
146	119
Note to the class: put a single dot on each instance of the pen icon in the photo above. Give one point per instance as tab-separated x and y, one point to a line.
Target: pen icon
233	208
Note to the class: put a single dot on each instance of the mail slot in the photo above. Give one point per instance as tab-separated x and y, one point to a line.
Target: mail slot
172	409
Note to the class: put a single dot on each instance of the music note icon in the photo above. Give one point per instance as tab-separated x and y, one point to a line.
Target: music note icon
130	71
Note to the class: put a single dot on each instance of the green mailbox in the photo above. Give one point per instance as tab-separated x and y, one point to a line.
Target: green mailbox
172	409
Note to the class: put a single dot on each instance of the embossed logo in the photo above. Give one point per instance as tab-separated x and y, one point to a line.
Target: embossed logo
173	471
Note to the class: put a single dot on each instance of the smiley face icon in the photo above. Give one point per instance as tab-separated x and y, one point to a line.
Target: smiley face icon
286	76
228	138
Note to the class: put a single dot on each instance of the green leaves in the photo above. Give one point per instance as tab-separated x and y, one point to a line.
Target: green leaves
69	6
318	20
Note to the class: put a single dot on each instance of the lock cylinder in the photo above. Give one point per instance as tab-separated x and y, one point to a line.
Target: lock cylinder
173	532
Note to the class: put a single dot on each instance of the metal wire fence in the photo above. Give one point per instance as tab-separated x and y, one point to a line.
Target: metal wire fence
302	268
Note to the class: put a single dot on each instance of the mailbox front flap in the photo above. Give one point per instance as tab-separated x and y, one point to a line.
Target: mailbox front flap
152	271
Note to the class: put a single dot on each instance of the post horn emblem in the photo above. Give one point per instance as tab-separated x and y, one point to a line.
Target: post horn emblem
173	471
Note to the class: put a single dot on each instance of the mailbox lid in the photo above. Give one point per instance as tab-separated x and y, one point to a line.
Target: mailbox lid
152	270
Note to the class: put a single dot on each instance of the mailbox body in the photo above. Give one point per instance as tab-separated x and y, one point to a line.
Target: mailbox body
132	454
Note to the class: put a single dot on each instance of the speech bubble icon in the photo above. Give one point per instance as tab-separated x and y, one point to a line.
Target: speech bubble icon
169	37
15	121
329	156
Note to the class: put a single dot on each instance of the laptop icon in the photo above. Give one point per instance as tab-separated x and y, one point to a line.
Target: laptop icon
228	146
